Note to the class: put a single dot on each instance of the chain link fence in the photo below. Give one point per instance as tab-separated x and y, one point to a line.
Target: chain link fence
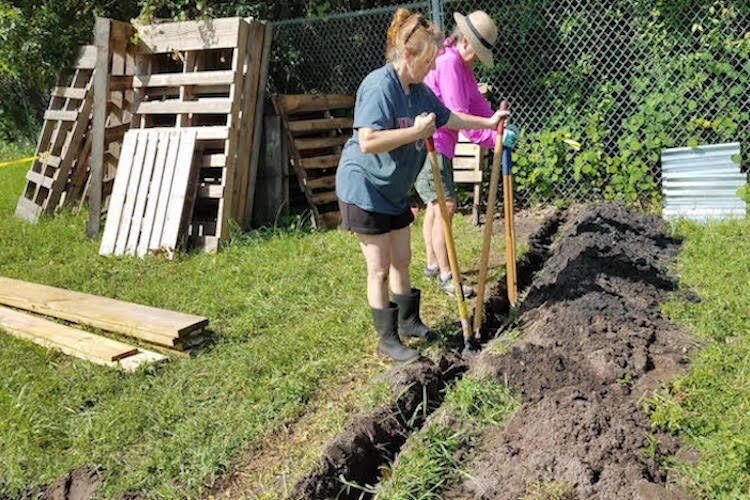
622	78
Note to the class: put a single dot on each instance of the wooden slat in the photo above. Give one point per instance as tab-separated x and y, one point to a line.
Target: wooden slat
465	163
322	182
117	198
177	79
468	149
326	197
189	35
320	124
69	92
69	340
153	193
467	176
60	115
160	326
302	143
86	57
326	161
179	191
27	209
39	179
134	181
329	220
300	103
162	203
213	191
175	106
118	83
214	160
139	208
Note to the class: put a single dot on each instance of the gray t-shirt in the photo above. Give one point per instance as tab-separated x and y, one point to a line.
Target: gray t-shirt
381	182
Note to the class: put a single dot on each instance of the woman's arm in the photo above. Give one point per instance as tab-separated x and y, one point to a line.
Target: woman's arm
382	141
462	121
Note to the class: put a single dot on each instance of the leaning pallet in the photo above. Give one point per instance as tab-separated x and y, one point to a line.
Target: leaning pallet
162	327
66	122
74	342
203	74
152	199
469	165
317	127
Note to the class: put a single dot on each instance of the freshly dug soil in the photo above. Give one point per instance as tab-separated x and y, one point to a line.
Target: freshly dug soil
78	484
372	439
594	343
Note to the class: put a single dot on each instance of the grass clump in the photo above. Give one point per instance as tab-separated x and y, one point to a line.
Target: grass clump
710	408
432	457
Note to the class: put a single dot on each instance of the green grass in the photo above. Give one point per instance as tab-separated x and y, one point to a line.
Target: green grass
289	313
429	461
710	408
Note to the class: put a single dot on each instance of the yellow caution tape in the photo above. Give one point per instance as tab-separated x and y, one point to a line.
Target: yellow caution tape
15	162
573	144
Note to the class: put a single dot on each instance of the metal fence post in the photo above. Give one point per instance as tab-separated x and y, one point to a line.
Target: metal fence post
436	6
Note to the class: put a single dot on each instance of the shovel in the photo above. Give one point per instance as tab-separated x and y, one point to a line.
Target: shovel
488	218
463	311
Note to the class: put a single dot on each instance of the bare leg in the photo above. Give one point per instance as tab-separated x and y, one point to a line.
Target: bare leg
438	235
377	252
400	258
429	220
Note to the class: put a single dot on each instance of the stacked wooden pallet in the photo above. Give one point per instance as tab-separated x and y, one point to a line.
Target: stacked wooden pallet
317	127
205	75
60	151
209	75
168	329
469	165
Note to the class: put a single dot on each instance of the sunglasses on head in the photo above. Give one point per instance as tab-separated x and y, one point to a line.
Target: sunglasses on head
421	21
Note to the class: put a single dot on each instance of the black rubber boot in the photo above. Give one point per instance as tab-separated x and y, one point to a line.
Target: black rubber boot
390	345
409	323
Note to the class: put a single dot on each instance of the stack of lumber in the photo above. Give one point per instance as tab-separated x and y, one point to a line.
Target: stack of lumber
60	151
317	127
170	331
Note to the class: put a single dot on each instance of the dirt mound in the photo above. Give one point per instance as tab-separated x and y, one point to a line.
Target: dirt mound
595	341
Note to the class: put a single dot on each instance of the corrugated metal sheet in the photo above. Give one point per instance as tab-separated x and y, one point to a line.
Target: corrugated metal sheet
701	183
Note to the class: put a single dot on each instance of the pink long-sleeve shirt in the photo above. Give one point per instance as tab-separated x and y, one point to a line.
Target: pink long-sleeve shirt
454	84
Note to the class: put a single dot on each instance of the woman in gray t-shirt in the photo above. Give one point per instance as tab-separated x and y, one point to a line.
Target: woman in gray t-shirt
394	113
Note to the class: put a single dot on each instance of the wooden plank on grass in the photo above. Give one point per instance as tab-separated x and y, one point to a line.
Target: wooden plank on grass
152	324
69	340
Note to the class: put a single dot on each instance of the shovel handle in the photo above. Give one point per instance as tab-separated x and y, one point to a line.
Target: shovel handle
488	219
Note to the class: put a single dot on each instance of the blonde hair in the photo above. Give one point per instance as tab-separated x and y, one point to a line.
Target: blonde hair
411	32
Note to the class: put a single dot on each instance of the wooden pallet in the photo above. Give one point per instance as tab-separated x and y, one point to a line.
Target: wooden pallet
153	196
469	165
75	342
317	127
63	134
206	74
157	326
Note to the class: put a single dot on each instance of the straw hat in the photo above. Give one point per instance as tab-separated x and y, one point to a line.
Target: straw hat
481	33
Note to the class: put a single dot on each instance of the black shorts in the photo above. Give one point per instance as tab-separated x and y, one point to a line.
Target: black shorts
362	221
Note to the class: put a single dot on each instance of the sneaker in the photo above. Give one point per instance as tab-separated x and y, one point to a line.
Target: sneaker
450	288
431	272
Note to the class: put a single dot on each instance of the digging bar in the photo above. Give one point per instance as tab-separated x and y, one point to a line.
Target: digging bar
510	230
463	311
488	219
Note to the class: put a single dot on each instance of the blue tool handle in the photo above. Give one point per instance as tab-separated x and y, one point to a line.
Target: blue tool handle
507	161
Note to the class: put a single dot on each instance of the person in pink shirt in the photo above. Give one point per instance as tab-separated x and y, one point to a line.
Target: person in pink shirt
453	82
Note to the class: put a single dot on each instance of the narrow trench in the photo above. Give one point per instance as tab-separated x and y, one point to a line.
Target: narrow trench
352	460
